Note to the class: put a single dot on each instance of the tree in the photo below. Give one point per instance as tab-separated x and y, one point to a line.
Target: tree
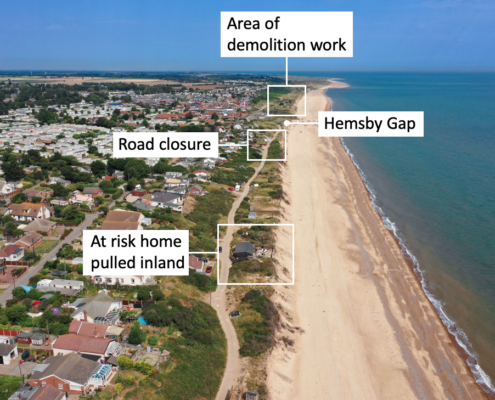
19	293
189	115
59	190
45	116
98	168
136	335
214	116
71	213
136	168
36	199
19	198
13	170
16	313
11	230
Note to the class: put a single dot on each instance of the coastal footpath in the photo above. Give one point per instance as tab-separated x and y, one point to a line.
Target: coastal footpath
364	329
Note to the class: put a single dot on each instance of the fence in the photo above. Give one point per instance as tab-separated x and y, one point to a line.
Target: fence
8	332
16	264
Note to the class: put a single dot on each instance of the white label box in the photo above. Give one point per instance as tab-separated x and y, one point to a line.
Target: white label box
165	144
286	34
127	253
371	123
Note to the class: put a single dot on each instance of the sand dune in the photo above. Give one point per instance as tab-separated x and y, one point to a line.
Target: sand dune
365	328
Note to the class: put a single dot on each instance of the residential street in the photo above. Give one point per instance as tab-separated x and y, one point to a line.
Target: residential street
24	279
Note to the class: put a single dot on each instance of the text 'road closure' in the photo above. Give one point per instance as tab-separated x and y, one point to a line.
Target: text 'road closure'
126	253
165	144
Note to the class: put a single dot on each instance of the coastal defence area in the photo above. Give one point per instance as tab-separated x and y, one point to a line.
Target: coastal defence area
364	327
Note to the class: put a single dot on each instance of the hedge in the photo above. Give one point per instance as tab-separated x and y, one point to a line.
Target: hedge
117	194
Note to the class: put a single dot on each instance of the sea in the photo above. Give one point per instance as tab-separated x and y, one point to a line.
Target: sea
437	193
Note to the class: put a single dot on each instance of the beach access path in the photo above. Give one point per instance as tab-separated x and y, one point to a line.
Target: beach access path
362	326
219	297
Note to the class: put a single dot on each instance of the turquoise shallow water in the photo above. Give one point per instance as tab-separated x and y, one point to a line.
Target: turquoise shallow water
437	193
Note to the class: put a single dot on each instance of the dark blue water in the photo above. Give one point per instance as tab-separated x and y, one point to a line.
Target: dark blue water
438	192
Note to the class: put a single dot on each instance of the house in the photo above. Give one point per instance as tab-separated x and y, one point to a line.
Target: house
125	220
29	241
202	173
12	252
83	328
28	211
165	199
55	180
8	352
41	225
100	308
30	193
130	280
70	373
27	392
196	190
93	192
7	190
80	199
244	250
196	263
48	393
58	284
92	348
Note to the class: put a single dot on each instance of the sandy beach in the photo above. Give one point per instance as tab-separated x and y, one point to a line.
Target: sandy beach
362	326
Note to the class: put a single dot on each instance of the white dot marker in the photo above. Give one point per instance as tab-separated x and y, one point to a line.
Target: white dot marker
286	122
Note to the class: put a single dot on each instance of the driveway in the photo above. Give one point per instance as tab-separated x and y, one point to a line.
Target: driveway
13	368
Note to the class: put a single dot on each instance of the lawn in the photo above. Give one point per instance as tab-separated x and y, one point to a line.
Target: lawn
46	246
8	385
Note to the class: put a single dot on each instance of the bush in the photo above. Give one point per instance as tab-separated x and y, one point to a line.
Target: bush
125	362
118	388
19	293
153	340
144	368
204	336
130	380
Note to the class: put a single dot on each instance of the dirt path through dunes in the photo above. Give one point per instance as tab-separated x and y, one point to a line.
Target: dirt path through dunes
219	298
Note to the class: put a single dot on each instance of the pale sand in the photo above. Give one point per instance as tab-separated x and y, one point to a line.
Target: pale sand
367	331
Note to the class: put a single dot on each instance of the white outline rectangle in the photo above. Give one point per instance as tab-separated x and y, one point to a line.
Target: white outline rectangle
284	115
255	284
267	130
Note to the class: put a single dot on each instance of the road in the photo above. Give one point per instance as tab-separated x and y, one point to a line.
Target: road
219	298
24	279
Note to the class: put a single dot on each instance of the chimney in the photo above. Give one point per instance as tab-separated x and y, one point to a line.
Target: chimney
85	316
151	294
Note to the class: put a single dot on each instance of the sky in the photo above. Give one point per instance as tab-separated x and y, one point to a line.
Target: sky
150	35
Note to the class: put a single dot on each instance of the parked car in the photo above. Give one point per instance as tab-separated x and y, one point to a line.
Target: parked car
220	249
235	314
209	269
203	259
231	189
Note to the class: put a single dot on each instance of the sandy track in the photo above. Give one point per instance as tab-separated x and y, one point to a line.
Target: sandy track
219	298
368	330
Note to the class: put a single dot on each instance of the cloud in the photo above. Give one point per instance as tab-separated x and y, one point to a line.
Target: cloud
54	27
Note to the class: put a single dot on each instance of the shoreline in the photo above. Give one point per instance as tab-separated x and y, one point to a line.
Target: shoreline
487	389
420	359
